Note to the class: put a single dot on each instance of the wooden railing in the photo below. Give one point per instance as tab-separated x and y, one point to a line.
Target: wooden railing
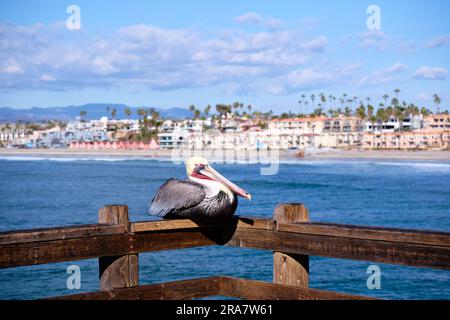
116	242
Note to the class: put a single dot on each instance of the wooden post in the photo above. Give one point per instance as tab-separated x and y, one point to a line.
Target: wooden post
117	271
290	269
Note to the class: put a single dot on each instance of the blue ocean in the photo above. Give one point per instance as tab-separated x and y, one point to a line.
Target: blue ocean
45	192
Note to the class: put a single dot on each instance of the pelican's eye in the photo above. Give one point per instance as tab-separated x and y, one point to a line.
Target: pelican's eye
199	167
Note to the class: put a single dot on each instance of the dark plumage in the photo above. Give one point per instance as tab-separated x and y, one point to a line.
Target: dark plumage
205	195
188	199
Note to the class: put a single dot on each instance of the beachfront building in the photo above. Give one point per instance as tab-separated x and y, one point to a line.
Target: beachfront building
438	121
16	136
172	139
343	124
426	139
297	125
114	145
316	132
188	124
412	122
259	139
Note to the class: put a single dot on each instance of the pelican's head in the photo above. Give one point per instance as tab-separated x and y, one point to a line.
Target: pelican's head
199	170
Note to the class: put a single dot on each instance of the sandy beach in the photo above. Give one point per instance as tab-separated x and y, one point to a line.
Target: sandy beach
378	154
284	155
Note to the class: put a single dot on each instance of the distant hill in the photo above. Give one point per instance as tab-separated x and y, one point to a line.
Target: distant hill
94	111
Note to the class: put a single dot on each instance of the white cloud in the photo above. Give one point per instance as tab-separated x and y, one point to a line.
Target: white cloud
47	77
249	17
254	18
13	69
311	78
431	73
424	96
383	76
375	39
50	57
441	41
307	77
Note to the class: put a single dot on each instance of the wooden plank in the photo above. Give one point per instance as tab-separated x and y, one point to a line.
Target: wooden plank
161	225
409	254
22	254
290	269
58	233
117	271
176	290
213	286
259	290
29	253
369	233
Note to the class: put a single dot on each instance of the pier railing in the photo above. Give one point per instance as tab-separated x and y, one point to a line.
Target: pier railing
292	238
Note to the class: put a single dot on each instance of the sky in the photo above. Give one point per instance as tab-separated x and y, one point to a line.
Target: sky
264	53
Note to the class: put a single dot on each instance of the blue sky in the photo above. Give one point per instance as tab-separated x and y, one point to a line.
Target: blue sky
264	53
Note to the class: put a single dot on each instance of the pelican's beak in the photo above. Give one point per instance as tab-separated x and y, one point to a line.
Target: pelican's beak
213	174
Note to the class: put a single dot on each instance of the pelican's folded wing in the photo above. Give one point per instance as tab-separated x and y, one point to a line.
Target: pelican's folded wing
175	196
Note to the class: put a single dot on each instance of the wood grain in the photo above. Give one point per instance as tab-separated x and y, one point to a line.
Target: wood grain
213	286
161	225
408	254
290	269
369	233
60	233
259	290
118	271
176	290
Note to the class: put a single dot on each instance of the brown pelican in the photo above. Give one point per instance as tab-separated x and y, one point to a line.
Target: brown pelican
206	194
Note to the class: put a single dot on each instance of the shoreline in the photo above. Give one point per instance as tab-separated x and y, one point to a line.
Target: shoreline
284	155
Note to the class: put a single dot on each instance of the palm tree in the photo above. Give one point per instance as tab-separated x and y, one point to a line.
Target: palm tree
155	123
437	102
207	110
221	110
82	114
347	111
424	111
143	123
361	112
235	106
317	112
382	115
385	98
313	97
397	91
323	99
192	109
300	102
394	102
127	112
113	113
370	109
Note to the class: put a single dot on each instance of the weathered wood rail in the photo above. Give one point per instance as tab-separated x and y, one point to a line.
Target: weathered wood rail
290	236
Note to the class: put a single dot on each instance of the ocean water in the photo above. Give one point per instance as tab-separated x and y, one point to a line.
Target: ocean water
43	192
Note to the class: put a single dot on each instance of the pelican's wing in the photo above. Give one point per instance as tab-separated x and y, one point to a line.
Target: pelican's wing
175	196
